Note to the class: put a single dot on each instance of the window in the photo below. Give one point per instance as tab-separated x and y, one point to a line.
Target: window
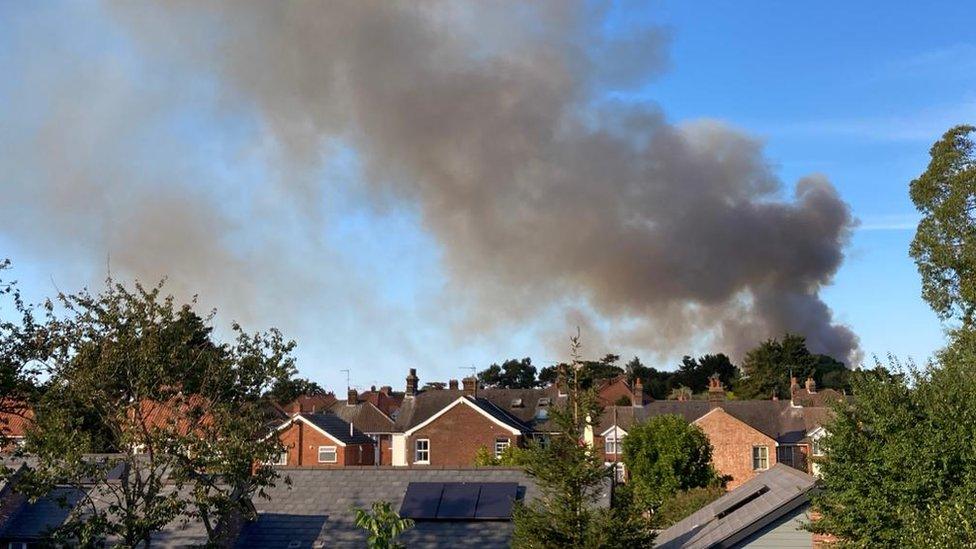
784	455
421	452
760	458
327	454
280	459
614	443
818	447
501	444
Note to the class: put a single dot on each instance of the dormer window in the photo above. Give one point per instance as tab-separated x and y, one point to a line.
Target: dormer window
544	401
516	403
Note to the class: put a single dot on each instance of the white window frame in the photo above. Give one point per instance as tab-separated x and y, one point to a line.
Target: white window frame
335	454
612	445
502	444
280	460
417	450
760	454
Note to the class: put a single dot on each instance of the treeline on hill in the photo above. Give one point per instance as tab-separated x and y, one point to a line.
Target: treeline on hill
765	371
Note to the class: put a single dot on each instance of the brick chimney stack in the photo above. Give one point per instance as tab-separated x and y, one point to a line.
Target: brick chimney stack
470	385
716	392
352	398
794	386
386	389
452	385
811	385
637	394
412	383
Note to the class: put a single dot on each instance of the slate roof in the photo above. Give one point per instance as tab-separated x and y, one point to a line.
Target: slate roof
364	416
337	428
780	490
33	520
774	418
317	507
417	409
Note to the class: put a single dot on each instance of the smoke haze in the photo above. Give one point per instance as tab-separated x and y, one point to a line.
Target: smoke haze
551	202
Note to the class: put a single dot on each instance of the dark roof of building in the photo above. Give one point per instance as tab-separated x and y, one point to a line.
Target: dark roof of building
33	521
310	403
524	416
741	512
337	428
364	416
777	419
318	507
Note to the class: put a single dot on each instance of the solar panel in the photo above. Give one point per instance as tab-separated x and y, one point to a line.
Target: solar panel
495	500
459	500
421	500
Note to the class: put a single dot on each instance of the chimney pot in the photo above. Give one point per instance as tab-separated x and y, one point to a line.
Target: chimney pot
470	386
352	398
452	384
637	394
386	389
716	392
412	382
811	385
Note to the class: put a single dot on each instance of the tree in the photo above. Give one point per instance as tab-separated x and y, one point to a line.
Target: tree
383	525
181	411
512	374
287	390
944	248
21	341
768	367
588	372
666	455
694	373
571	476
899	468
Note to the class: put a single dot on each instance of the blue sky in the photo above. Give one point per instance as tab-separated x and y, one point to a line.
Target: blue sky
852	92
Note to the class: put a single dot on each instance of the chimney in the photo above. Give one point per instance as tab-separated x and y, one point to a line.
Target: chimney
811	385
637	393
412	382
452	385
794	386
386	389
562	380
716	392
470	385
352	398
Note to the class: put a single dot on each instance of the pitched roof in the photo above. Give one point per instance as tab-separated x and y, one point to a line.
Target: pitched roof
310	403
317	507
15	419
336	427
364	416
774	418
424	405
741	512
33	521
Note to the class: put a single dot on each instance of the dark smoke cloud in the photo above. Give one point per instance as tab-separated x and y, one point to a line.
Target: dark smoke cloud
544	192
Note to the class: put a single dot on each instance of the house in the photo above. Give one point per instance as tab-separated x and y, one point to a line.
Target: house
808	396
367	417
14	420
618	391
447	427
769	510
323	440
747	436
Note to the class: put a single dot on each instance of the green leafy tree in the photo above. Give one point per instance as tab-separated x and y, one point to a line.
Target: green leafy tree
944	247
666	455
513	456
684	503
571	477
899	468
383	525
511	374
183	413
767	368
694	373
21	343
287	390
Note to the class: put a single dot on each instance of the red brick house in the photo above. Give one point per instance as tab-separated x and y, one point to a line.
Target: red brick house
323	440
368	418
310	404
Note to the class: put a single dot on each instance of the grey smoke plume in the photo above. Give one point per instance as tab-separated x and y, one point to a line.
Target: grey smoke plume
544	192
